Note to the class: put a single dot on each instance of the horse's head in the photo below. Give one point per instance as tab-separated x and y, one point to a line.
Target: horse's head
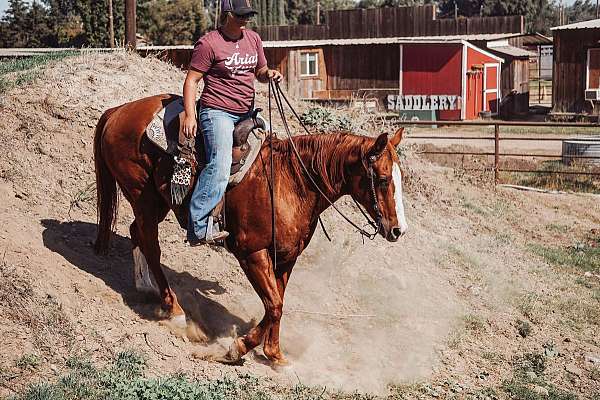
377	185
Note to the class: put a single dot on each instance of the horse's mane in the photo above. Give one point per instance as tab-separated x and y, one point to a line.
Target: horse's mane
324	155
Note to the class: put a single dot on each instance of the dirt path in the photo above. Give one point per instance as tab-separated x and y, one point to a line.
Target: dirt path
357	316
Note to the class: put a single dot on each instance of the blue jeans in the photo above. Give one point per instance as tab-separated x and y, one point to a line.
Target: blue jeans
217	130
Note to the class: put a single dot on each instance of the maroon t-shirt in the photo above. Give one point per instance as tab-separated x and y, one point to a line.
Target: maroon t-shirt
228	67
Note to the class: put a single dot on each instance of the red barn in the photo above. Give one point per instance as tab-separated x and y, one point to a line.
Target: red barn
446	78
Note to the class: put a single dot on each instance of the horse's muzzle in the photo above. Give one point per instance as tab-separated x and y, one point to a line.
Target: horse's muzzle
394	234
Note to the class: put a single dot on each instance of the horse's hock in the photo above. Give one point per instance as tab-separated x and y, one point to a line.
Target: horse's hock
581	151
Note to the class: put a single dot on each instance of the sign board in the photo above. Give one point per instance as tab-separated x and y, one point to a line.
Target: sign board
423	102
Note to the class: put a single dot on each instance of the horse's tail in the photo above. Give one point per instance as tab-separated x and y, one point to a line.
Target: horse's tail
106	190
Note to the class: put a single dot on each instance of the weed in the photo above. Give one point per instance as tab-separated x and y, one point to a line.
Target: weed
582	256
473	207
524	328
558	228
324	119
474	323
528	304
27	361
529	362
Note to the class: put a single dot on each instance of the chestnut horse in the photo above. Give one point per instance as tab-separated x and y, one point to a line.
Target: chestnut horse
340	164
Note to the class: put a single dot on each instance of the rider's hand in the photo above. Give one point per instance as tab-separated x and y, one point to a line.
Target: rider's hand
189	126
275	75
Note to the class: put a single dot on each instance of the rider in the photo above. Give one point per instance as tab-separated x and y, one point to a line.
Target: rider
227	59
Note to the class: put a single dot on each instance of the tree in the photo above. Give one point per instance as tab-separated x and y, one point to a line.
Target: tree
304	11
580	10
171	22
15	18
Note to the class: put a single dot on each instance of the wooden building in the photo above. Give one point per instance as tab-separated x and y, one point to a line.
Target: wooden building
576	71
437	78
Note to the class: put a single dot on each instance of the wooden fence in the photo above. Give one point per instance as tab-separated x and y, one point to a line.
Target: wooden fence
391	22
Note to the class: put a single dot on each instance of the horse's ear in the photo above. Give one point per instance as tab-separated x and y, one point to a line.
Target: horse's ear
395	140
379	145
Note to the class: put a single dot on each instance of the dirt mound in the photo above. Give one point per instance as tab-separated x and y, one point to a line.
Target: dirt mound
357	316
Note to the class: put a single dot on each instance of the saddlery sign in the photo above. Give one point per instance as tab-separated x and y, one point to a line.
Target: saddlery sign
423	102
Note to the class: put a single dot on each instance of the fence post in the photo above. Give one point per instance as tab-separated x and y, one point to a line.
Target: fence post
496	151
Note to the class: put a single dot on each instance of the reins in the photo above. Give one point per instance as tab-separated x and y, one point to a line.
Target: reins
278	95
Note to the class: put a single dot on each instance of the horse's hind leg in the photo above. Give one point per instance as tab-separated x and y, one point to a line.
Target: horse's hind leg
141	274
150	212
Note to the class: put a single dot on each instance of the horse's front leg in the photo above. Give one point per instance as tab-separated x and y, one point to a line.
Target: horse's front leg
258	267
271	345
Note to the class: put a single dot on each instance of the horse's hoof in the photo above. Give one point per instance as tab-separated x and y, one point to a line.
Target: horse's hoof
178	321
281	364
233	355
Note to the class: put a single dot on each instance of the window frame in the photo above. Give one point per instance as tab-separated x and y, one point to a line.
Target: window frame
588	74
308	53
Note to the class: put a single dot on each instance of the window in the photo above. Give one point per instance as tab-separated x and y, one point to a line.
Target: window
593	69
308	64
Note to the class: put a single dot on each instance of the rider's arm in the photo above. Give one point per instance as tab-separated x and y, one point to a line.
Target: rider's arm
190	88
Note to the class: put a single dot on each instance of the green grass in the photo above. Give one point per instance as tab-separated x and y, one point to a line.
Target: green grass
528	373
124	378
583	256
20	71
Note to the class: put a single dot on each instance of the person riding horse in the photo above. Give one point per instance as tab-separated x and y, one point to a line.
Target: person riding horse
228	59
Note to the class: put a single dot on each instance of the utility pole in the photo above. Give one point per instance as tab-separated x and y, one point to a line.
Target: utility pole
455	10
130	24
318	13
597	9
111	27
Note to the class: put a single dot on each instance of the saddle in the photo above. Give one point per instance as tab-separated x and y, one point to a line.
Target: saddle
190	158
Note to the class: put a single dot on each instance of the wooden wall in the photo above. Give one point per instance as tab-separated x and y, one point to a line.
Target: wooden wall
570	62
391	22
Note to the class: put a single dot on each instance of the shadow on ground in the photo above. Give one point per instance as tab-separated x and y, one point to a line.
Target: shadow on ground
74	241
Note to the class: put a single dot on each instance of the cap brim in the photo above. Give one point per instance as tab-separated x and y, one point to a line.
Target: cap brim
245	11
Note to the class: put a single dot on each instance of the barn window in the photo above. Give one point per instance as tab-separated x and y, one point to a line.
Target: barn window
593	69
309	63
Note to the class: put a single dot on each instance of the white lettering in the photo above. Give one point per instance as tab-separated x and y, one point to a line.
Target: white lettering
417	102
434	102
391	102
452	101
443	102
423	102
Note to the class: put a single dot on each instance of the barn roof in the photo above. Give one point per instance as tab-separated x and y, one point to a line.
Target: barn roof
591	24
386	40
512	51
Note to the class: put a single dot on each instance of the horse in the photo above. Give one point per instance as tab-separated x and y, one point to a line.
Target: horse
341	163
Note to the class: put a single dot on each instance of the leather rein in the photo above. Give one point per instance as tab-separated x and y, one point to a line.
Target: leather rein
279	96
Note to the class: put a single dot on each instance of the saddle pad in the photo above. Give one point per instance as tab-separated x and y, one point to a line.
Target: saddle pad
163	131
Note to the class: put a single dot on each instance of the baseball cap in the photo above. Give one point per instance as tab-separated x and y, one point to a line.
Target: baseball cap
238	7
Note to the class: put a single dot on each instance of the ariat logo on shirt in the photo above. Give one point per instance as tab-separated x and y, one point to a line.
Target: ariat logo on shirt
239	65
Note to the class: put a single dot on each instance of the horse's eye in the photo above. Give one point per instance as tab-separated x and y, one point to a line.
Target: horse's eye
383	182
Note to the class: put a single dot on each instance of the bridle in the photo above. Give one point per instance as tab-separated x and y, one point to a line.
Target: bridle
275	89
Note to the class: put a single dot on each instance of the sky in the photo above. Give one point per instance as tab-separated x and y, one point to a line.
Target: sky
4	5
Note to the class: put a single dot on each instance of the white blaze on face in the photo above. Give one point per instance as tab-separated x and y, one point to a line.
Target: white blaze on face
397	176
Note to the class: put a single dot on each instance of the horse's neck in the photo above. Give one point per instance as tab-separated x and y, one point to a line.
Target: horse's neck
319	161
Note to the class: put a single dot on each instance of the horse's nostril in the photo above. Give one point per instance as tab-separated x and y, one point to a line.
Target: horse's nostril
396	232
